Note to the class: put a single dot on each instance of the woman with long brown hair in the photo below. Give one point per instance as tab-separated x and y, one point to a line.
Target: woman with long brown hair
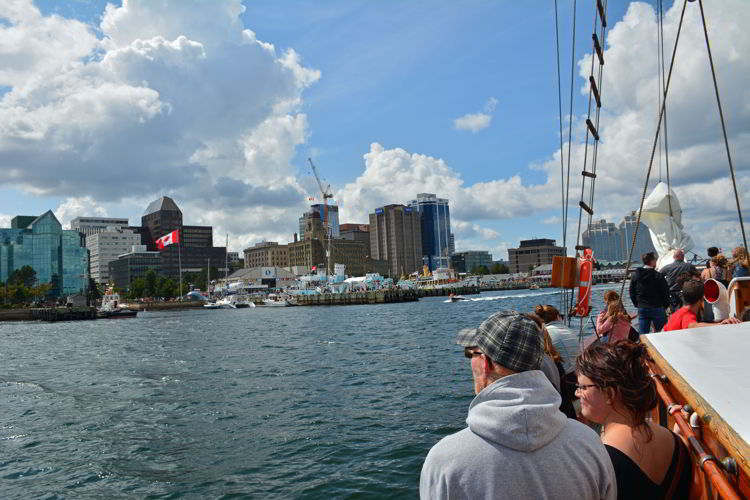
616	391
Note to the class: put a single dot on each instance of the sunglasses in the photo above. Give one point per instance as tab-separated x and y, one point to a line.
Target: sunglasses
470	354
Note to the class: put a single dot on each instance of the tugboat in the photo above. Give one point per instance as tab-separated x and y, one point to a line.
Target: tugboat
111	308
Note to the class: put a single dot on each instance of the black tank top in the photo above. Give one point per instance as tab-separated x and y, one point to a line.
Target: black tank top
632	482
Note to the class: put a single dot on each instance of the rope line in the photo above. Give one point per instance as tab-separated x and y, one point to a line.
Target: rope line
723	126
666	135
570	123
653	149
563	296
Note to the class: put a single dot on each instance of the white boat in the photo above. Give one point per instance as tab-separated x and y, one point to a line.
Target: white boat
226	303
211	305
274	300
112	308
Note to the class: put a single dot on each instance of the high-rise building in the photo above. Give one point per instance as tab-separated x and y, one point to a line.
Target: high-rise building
466	262
306	254
195	250
58	255
93	225
437	239
612	243
266	254
105	246
643	243
162	216
605	239
396	236
533	253
313	221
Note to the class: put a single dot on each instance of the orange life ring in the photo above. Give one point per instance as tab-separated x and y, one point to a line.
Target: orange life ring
585	276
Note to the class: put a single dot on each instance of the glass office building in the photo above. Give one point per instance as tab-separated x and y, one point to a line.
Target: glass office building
57	255
612	243
437	239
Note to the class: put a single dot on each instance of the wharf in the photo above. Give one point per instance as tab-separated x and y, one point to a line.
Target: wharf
380	296
53	314
165	306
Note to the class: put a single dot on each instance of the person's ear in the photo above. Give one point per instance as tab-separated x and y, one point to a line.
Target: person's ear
487	364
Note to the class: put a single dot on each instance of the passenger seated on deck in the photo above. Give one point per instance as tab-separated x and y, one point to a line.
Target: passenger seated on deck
687	315
613	323
517	444
616	391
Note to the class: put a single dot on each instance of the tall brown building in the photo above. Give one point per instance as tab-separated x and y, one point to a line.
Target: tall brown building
396	236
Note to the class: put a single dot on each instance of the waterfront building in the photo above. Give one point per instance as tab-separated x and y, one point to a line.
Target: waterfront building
396	237
58	255
612	243
532	253
259	278
234	260
105	246
313	221
309	253
195	250
93	225
437	239
266	254
356	232
466	262
133	264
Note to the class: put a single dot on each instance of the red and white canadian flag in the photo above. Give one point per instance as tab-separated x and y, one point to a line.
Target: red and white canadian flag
168	239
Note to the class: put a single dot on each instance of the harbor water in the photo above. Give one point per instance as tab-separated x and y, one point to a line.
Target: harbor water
323	402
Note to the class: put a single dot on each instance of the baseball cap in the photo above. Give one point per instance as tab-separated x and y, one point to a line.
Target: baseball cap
509	339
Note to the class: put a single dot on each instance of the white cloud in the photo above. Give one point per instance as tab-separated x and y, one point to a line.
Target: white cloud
474	122
177	98
75	207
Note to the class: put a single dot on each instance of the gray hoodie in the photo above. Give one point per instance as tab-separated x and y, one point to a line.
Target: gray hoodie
519	445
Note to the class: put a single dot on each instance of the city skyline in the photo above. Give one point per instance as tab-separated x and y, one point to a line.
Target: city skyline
481	131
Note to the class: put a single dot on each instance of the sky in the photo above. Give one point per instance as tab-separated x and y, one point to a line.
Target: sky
105	107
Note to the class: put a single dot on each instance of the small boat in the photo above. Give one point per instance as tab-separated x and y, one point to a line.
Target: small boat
226	303
458	298
112	309
211	305
534	286
274	300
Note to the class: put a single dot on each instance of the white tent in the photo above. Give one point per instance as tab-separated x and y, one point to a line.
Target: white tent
665	226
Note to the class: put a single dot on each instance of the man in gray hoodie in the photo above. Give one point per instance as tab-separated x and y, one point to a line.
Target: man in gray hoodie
518	444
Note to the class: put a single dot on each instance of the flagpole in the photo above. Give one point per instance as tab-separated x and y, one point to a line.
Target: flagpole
179	259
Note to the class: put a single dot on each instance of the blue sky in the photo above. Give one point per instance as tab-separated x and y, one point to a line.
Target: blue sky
399	74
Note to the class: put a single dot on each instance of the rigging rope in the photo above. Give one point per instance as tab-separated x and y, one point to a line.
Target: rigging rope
723	126
563	296
570	122
666	135
653	149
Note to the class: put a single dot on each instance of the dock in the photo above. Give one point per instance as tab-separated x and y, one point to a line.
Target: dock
380	296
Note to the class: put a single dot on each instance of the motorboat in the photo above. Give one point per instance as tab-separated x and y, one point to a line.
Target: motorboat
274	300
211	305
458	298
225	303
112	308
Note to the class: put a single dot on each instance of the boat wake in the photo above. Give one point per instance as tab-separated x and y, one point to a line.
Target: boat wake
503	297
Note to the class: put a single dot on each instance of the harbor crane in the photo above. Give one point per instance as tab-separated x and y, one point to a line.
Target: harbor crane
326	194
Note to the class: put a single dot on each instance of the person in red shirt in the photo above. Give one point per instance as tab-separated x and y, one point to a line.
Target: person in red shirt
687	315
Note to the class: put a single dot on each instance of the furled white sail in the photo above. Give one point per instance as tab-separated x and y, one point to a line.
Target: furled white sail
665	226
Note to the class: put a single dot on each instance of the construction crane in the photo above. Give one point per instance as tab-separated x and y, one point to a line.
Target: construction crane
326	194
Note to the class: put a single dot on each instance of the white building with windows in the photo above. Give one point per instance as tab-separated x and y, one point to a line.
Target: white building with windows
105	246
92	225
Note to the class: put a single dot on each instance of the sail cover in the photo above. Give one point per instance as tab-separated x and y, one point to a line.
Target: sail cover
666	229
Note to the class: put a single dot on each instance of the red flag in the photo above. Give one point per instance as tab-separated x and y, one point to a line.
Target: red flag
314	268
168	239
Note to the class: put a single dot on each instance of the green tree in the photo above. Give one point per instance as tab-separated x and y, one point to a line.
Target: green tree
25	276
151	283
137	288
166	287
482	270
498	268
94	292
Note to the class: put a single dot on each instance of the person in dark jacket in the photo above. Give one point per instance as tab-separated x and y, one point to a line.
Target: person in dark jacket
671	273
649	292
